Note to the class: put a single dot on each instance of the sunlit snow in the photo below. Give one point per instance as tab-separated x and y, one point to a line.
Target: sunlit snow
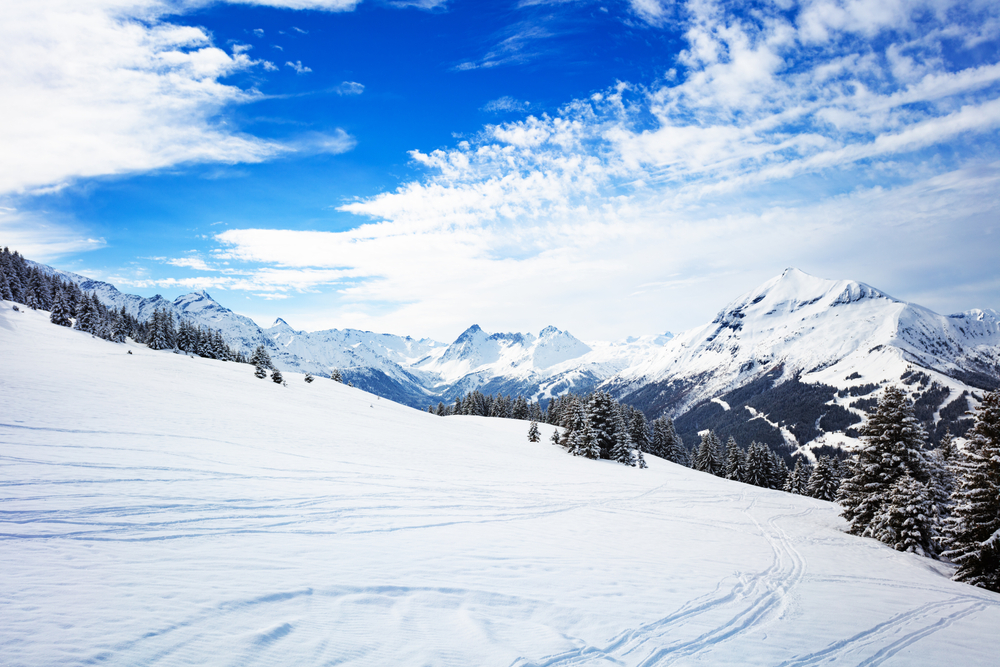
162	509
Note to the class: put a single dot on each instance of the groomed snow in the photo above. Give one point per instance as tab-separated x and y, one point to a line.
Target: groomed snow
160	509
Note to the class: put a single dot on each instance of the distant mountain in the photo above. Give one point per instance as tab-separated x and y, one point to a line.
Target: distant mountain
799	358
797	361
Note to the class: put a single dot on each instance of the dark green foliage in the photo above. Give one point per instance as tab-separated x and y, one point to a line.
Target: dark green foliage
735	461
892	443
709	457
533	434
903	519
276	376
973	536
838	418
824	480
798	480
259	372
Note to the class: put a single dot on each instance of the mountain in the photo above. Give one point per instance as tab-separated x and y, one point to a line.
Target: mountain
166	510
798	359
795	362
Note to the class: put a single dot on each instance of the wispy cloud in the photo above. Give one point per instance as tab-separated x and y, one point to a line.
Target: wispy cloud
298	67
505	104
350	88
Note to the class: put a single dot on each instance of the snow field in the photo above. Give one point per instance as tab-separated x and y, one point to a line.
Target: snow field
160	509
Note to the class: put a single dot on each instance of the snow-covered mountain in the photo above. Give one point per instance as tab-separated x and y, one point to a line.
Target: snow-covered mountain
795	358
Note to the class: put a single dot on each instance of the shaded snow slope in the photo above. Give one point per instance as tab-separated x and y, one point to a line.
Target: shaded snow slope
160	509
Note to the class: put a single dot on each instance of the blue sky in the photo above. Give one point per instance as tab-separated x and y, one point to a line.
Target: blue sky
613	168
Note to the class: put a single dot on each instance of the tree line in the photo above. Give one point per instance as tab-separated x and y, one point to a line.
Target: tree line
69	306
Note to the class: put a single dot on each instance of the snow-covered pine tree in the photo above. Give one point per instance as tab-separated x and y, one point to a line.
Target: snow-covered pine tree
260	357
276	376
797	480
709	455
259	372
641	459
61	313
892	440
621	451
85	316
903	520
309	378
638	430
556	437
533	434
735	461
824	480
973	537
758	466
779	471
601	416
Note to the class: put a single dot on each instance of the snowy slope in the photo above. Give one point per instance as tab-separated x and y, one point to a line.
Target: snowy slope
838	333
161	509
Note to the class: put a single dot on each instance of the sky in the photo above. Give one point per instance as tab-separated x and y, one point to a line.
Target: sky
611	168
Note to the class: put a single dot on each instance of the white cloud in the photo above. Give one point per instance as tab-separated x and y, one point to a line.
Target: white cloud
42	237
505	104
650	204
651	11
298	67
258	32
350	88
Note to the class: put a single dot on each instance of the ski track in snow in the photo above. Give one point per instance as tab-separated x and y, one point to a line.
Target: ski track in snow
753	600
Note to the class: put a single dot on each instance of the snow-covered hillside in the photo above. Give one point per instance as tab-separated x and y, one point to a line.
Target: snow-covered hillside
163	509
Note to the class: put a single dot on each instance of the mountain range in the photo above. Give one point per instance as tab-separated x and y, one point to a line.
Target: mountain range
795	362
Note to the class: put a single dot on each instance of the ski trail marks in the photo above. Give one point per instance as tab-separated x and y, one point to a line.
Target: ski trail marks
921	622
753	601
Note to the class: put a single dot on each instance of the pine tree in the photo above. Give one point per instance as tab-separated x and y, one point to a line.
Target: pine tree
903	519
60	311
555	438
892	440
973	538
601	416
797	480
709	457
276	376
735	461
824	480
259	372
621	451
638	430
533	434
309	379
641	459
758	466
260	357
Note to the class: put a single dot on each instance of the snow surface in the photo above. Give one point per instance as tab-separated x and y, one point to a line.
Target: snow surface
163	509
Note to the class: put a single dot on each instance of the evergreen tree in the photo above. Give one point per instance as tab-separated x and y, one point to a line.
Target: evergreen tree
709	457
601	416
309	379
259	372
903	519
778	471
61	313
276	376
758	465
533	434
798	479
973	538
555	438
621	451
260	357
824	480
735	461
892	440
638	430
